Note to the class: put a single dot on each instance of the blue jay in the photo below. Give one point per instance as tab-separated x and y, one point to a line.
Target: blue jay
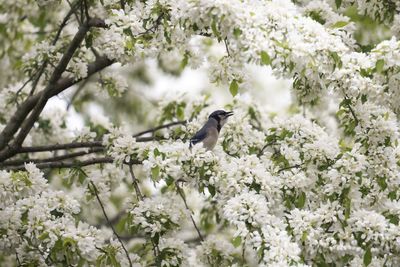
208	134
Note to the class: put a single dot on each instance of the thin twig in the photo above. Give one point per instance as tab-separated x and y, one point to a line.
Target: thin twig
152	130
180	192
57	158
80	88
264	147
154	26
110	224
351	110
45	62
74	11
21	88
88	144
113	220
122	3
226	46
63	164
18	261
156	249
290	167
86	9
244	250
135	183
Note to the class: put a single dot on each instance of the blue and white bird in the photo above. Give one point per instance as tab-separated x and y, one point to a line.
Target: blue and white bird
208	134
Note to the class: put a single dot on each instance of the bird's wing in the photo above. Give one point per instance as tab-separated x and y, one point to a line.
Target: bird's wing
198	137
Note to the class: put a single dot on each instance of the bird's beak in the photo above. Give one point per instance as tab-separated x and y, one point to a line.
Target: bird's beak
228	114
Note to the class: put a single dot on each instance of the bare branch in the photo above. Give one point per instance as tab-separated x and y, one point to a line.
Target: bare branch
226	46
181	193
152	130
156	249
96	146
351	110
63	164
58	71
77	91
60	146
109	223
264	147
135	183
27	124
57	158
290	167
17	119
36	76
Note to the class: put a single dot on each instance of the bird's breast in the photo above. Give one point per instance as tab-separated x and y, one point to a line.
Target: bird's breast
211	140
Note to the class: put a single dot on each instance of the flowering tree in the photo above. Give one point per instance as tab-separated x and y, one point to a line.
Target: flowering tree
318	186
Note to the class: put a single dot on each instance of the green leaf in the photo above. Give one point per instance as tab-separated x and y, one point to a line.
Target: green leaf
382	182
316	15
265	58
237	241
184	61
340	24
304	236
156	152
155	171
379	65
347	206
211	189
237	32
301	200
337	59
180	112
156	238
363	98
44	236
234	87
215	30
338	3
367	257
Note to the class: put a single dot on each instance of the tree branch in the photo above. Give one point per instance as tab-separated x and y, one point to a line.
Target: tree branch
290	167
60	146
63	164
58	71
25	124
95	146
264	147
44	64
77	91
156	249
92	144
152	130
135	183
57	158
109	223
182	195
21	113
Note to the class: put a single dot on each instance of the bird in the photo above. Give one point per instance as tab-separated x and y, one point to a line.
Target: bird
208	134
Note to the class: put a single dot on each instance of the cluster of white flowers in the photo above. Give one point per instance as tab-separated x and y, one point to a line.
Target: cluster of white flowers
262	231
40	223
51	127
174	252
123	147
286	190
158	215
216	251
336	23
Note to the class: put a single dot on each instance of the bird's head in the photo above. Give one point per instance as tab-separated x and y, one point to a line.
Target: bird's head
221	116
